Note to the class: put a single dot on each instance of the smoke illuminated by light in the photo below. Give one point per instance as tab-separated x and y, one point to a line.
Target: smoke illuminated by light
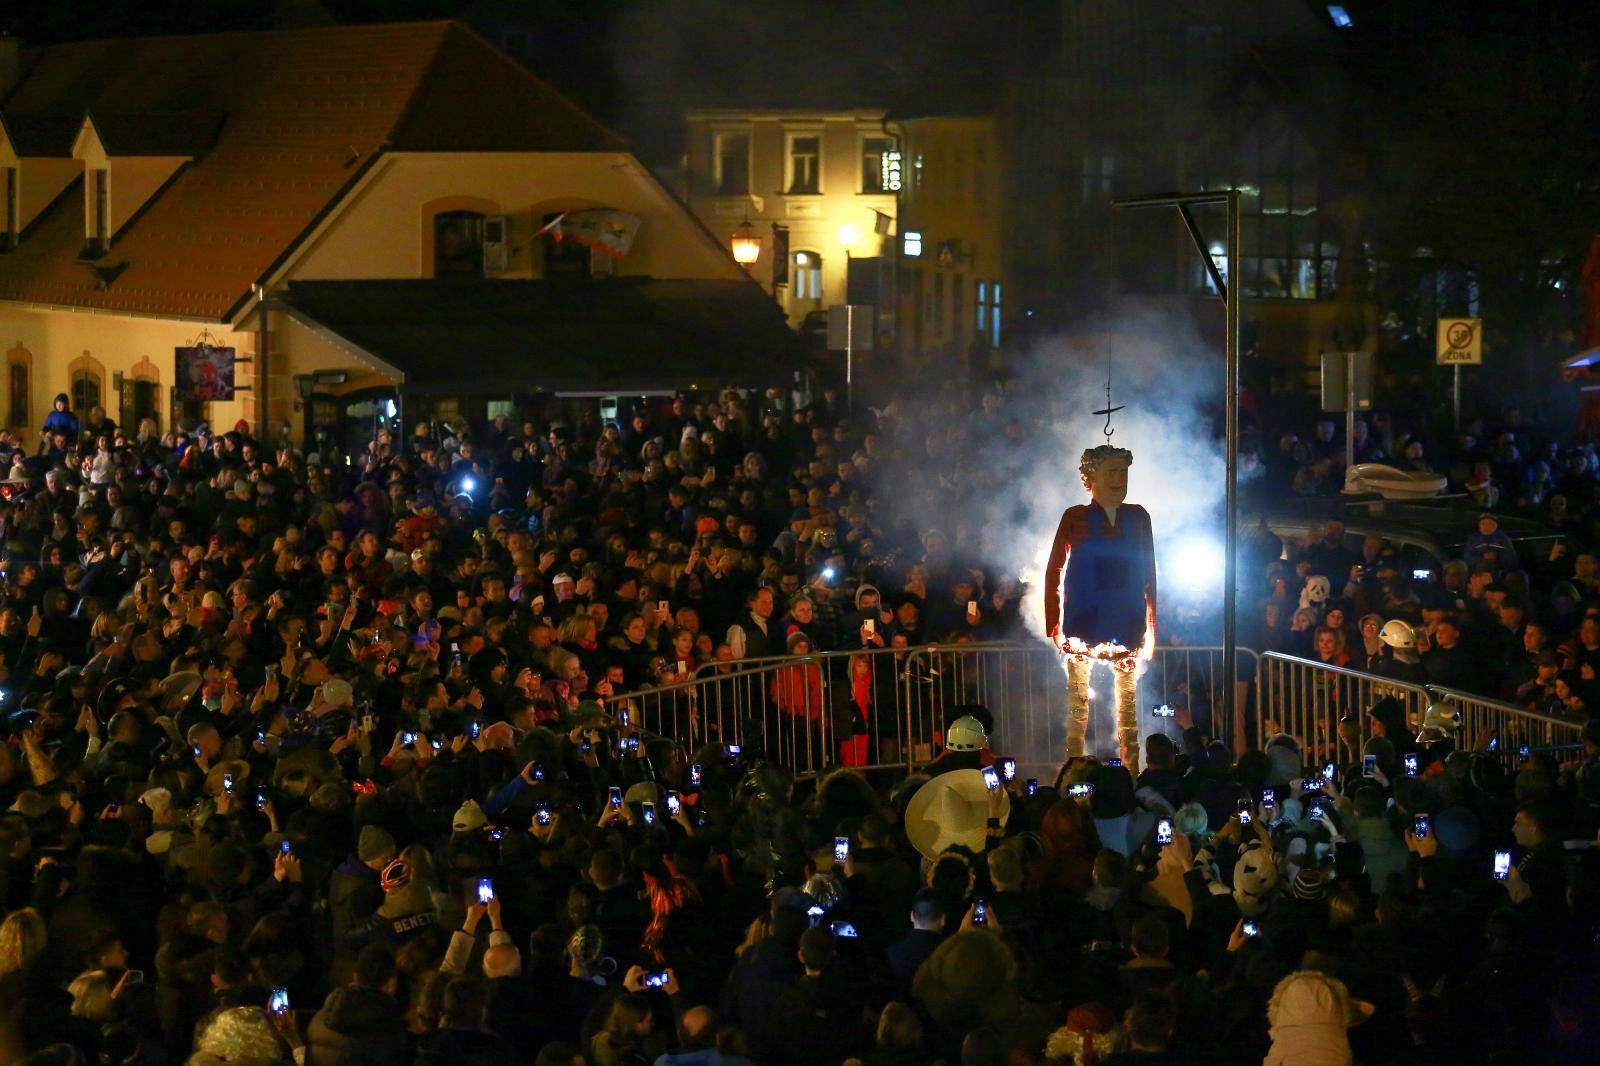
1168	378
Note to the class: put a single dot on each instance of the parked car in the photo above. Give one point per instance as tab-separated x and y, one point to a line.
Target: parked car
1425	535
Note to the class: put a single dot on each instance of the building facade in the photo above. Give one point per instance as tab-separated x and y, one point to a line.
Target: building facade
1138	97
819	188
168	193
951	280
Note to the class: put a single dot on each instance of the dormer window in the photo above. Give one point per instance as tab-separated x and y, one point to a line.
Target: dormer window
10	209
146	149
99	211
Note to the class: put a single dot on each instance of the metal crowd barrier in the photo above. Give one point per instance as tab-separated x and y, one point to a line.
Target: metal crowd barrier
1513	727
1307	698
799	709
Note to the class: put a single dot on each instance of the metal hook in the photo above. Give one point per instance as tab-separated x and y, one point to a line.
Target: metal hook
1108	411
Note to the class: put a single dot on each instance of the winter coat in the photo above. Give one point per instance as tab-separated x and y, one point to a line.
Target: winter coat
797	690
357	1027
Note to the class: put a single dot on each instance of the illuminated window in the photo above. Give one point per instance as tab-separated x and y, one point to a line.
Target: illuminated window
807	283
805	164
880	165
1286	249
994	314
982	309
1339	16
733	163
911	243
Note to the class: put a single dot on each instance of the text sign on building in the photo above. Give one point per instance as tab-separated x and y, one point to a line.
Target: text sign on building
1460	341
889	171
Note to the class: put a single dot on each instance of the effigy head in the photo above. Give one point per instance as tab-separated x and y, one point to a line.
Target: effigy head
1104	470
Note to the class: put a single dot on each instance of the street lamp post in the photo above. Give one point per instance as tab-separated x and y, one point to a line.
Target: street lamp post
1231	299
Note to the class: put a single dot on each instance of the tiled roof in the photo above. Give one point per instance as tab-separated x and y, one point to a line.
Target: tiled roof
166	133
302	113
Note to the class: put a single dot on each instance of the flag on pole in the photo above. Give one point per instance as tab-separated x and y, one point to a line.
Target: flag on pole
604	230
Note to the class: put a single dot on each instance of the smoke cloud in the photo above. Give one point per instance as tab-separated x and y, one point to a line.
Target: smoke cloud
1170	382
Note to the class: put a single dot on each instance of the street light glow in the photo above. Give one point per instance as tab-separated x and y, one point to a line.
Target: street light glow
1198	565
848	233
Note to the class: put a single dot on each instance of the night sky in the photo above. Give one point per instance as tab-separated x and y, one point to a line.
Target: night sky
638	63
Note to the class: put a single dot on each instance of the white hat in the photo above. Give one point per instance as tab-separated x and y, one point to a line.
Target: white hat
1398	634
952	809
1308	1015
562	577
965	734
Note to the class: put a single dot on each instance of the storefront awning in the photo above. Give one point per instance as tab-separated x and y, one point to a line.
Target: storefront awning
628	334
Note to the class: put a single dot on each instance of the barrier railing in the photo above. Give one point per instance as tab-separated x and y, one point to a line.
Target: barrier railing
887	707
1307	699
1513	727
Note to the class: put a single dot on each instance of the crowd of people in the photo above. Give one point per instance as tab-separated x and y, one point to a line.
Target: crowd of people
328	758
1514	619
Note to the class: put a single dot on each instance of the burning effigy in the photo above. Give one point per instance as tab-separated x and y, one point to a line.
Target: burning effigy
1100	594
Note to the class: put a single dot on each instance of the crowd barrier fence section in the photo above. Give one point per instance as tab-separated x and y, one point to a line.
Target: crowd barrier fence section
1308	698
888	707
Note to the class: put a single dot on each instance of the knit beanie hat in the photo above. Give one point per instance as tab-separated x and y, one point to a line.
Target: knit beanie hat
374	843
405	889
1309	885
1088	1036
469	816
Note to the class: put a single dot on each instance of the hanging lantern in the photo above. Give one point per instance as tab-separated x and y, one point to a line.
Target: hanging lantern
746	244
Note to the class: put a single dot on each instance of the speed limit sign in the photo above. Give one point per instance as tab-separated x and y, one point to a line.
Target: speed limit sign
1460	342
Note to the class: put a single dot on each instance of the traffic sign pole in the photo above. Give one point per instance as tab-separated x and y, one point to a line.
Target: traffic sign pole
850	360
1459	341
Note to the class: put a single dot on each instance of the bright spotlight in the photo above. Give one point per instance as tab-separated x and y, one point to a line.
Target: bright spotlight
469	484
1198	565
848	234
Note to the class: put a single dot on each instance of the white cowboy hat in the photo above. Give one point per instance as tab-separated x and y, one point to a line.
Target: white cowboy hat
952	809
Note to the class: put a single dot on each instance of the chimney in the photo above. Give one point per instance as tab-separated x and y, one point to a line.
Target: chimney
10	63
